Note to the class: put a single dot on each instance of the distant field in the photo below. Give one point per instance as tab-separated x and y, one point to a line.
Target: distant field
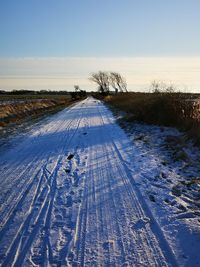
32	97
15	108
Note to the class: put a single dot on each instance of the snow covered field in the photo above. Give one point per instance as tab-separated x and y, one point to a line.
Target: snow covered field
77	191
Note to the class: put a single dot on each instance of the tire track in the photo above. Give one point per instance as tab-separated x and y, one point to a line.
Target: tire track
142	206
84	207
17	243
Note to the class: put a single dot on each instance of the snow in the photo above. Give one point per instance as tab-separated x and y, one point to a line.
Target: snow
76	190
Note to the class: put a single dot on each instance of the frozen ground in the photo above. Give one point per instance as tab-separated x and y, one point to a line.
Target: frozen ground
77	191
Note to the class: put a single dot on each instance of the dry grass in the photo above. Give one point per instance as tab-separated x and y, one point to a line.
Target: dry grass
28	97
14	112
168	109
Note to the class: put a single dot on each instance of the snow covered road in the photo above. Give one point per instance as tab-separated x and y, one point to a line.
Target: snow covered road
68	197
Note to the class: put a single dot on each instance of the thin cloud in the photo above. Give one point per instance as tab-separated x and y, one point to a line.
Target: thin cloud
62	73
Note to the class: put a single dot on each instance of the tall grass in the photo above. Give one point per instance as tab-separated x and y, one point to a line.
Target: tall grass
167	109
16	110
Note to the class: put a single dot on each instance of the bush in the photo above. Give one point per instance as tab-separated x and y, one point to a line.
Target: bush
167	109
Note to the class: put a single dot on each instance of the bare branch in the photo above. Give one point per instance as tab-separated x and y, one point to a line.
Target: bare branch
118	82
102	79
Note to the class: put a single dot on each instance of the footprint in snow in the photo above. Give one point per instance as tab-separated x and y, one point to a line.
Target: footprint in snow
107	244
152	198
70	156
59	217
69	201
71	256
67	170
141	223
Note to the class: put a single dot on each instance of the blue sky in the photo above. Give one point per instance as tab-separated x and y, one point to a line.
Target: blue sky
98	29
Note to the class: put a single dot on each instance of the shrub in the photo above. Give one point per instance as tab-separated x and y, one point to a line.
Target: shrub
162	108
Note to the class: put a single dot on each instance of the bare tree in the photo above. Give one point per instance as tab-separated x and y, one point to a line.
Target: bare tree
118	82
77	88
102	79
161	87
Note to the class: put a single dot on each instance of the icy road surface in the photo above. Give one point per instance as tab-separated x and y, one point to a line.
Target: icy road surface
68	197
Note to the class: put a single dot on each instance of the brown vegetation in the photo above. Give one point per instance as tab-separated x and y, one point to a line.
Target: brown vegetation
168	109
15	111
